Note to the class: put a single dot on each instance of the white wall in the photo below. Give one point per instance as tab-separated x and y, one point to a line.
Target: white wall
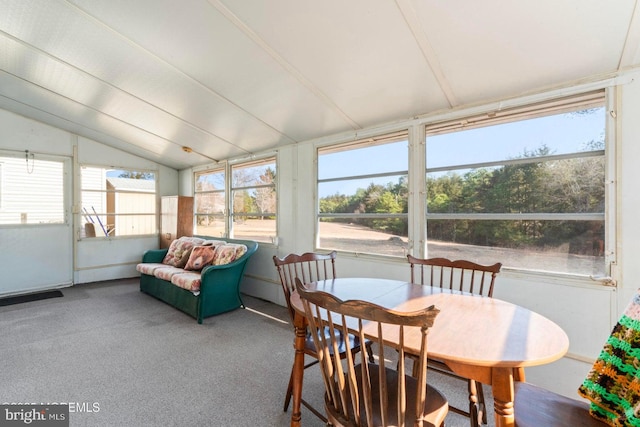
39	257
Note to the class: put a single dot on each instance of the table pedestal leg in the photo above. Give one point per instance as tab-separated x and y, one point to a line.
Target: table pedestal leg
298	369
503	396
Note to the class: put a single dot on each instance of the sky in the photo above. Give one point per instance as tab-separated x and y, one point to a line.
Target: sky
562	133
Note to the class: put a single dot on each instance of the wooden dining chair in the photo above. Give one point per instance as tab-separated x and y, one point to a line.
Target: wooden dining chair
535	406
363	393
465	276
308	267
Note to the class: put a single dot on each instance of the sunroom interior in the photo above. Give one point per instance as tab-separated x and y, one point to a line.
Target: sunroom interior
502	132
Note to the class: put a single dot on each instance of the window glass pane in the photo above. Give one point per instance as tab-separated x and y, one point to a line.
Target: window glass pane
31	192
553	167
259	229
370	195
254	174
258	201
564	246
209	198
253	198
118	202
366	160
362	236
127	225
210	203
210	181
210	225
558	186
556	134
359	213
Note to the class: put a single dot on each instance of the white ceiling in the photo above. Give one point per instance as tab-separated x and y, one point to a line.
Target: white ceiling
230	78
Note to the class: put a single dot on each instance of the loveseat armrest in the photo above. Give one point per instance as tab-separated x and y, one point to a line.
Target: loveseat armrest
220	284
234	269
154	255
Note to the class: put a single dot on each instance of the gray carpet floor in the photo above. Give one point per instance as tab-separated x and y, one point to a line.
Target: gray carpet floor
122	358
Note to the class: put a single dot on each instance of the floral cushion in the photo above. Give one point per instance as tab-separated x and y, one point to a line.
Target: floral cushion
166	272
187	280
149	267
240	250
228	253
179	250
201	256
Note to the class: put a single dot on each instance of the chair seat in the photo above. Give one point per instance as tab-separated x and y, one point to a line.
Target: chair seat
538	407
436	405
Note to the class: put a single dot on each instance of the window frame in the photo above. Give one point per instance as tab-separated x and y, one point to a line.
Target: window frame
99	232
601	98
225	214
229	188
382	138
231	214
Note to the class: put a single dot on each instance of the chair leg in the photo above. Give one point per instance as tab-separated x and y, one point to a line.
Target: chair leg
483	406
477	413
289	395
287	398
370	351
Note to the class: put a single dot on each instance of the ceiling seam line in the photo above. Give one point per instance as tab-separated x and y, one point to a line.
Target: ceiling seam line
107	115
245	29
632	37
411	18
180	71
61	61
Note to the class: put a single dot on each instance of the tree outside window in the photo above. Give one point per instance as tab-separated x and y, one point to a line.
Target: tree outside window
527	193
363	196
254	202
210	203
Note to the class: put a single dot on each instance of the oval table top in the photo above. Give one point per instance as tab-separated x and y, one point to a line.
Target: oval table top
469	330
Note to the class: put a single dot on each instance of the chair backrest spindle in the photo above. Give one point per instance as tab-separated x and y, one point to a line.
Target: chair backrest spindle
358	392
308	267
460	275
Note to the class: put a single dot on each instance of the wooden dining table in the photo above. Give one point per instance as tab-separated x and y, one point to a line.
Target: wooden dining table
480	338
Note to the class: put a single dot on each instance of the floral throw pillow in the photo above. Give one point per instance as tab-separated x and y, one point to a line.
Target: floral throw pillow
228	253
179	251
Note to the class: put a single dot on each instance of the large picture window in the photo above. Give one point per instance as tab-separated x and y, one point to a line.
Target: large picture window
253	200
31	191
362	195
210	203
526	188
118	202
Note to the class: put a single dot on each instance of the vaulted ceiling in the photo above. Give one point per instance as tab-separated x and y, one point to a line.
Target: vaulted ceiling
229	78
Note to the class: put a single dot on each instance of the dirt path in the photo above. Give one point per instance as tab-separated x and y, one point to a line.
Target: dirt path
353	237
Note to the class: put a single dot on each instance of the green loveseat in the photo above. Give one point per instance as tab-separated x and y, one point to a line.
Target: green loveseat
219	288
